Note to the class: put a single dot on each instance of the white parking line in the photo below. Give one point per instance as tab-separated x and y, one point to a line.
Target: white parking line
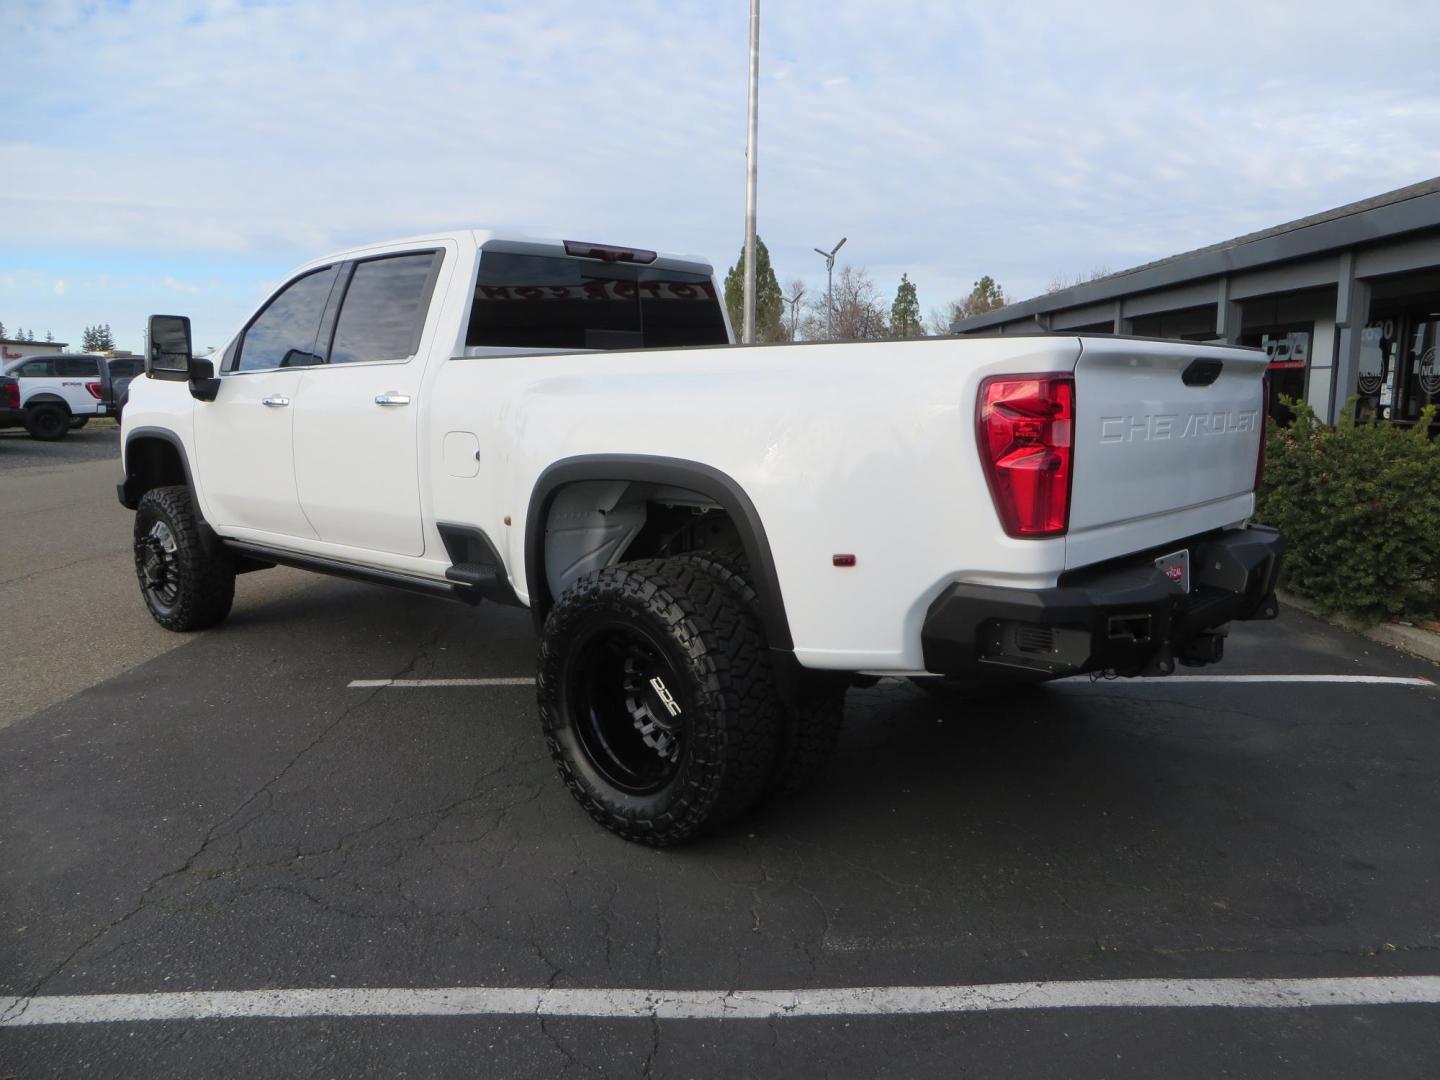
723	1004
406	684
1173	680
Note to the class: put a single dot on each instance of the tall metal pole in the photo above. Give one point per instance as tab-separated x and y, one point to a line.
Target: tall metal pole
747	334
830	298
794	303
829	257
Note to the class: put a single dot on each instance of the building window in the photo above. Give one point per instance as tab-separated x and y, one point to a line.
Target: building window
1288	350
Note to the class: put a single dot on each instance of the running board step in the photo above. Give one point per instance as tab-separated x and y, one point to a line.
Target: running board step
477	575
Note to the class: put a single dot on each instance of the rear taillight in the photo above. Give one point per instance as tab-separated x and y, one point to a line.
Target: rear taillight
10	395
1026	428
1264	426
95	389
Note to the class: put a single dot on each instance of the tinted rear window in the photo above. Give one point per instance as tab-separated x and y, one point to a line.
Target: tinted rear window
78	366
552	302
384	309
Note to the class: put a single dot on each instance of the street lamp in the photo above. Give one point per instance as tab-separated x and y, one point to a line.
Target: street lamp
794	302
829	257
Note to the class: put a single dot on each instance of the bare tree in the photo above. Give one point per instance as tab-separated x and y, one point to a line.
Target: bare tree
1059	281
859	310
942	318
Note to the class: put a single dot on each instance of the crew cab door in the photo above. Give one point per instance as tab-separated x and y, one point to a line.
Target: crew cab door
244	437
356	421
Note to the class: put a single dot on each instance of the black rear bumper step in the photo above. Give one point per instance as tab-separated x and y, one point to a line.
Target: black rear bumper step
1125	617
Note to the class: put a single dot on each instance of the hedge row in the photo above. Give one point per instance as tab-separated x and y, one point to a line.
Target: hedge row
1359	505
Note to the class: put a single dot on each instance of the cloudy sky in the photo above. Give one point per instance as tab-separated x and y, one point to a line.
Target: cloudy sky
182	156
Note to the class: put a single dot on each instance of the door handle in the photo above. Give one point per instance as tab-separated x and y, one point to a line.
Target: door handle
276	402
390	397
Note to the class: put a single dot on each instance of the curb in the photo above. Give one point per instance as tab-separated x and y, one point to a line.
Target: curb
1411	639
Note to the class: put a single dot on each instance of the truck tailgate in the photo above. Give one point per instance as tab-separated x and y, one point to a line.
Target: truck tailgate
1166	440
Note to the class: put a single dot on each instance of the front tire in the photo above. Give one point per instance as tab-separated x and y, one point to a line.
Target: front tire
186	584
656	701
47	422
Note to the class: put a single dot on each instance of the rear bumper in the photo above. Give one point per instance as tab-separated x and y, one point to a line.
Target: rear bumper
1126	616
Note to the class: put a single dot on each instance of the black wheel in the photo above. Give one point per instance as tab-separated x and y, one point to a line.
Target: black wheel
185	586
77	422
809	730
47	422
656	700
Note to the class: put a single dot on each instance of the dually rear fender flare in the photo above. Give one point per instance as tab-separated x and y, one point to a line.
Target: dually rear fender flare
705	480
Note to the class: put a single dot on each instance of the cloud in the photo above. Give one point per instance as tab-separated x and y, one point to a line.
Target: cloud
59	287
179	286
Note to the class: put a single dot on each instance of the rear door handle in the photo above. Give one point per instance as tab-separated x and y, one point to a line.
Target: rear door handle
276	402
390	397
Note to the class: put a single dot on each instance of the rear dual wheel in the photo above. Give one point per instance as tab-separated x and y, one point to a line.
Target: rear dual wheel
656	700
809	729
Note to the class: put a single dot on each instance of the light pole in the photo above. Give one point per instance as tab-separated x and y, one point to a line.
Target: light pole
747	333
794	302
829	257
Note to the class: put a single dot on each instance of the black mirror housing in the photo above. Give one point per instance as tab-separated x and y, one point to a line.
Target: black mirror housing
168	356
203	383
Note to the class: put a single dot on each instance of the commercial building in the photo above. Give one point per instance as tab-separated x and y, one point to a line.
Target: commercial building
14	350
1346	302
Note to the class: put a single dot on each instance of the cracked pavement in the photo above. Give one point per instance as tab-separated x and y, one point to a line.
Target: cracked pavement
228	815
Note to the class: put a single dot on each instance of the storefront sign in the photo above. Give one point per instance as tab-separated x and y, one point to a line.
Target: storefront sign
1429	376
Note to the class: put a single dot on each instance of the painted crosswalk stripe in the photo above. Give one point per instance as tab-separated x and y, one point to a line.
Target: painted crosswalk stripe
725	1004
410	684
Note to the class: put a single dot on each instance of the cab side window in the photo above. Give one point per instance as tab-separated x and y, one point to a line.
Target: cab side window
283	335
83	367
384	309
38	369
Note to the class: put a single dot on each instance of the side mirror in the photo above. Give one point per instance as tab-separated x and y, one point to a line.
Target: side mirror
169	353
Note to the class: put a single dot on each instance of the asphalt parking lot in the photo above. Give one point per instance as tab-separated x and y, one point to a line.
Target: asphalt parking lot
226	812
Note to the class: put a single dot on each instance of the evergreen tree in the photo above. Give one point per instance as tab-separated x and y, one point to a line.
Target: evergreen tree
905	311
105	338
87	339
768	305
49	337
987	295
2	329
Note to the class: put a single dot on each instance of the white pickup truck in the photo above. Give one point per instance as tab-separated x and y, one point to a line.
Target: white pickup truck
715	541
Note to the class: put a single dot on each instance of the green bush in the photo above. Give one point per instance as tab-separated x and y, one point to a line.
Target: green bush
1359	505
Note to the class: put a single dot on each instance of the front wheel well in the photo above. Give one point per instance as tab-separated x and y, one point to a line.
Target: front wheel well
151	462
